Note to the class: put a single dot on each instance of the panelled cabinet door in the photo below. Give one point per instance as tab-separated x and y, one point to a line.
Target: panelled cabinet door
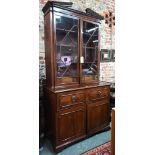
97	116
71	124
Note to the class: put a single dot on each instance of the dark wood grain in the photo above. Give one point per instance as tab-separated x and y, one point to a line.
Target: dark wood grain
72	98
70	124
97	116
78	109
51	5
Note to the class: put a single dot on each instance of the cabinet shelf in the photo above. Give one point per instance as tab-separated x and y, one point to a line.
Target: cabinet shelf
84	33
90	62
66	30
90	47
59	77
65	45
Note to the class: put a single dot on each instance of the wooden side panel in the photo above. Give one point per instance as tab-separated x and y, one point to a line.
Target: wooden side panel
50	114
48	26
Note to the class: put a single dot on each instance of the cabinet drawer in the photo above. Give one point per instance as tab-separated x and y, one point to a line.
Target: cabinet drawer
70	98
98	93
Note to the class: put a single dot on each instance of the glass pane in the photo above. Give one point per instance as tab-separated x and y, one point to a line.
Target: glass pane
90	51
67	49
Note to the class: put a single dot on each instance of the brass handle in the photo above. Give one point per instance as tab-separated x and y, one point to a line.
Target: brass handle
99	93
74	98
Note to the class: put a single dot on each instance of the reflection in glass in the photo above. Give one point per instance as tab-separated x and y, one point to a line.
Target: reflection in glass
67	49
90	51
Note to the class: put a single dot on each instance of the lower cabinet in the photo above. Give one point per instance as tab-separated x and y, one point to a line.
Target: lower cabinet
71	124
97	116
77	114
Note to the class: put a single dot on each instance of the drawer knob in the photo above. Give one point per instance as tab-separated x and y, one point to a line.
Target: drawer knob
99	93
74	98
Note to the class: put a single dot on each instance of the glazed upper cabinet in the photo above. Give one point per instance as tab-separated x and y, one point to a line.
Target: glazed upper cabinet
74	49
